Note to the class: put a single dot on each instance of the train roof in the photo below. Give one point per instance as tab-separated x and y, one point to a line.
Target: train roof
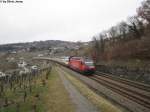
76	58
81	59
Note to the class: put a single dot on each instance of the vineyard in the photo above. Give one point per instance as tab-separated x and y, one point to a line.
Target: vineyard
23	93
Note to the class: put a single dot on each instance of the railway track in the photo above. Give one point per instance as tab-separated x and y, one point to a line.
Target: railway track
131	90
141	86
125	88
137	92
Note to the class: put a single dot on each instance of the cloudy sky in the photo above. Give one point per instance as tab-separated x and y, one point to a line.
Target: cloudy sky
71	20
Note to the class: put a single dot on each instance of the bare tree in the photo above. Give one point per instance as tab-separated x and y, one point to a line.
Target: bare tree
102	43
113	32
135	27
123	30
144	10
96	48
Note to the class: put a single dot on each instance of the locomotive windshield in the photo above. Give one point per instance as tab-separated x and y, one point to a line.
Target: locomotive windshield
89	63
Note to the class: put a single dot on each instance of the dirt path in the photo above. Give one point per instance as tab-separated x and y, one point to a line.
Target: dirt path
81	102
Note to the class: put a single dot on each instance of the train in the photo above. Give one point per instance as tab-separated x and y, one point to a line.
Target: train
79	64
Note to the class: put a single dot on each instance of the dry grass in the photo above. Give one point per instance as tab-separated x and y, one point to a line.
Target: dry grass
57	98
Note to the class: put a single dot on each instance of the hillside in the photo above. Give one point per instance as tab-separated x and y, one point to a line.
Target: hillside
36	45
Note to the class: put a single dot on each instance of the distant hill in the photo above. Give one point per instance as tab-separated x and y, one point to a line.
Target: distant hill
42	45
36	45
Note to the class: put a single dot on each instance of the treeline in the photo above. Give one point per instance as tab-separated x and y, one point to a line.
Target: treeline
128	39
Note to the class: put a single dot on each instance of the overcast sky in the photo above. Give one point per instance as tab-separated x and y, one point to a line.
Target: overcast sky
71	20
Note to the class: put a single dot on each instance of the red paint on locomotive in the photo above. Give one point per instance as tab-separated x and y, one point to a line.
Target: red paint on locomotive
80	65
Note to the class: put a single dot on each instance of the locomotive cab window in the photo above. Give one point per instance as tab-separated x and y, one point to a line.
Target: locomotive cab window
89	63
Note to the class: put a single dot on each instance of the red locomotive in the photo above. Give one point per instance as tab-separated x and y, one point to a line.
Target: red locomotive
81	65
